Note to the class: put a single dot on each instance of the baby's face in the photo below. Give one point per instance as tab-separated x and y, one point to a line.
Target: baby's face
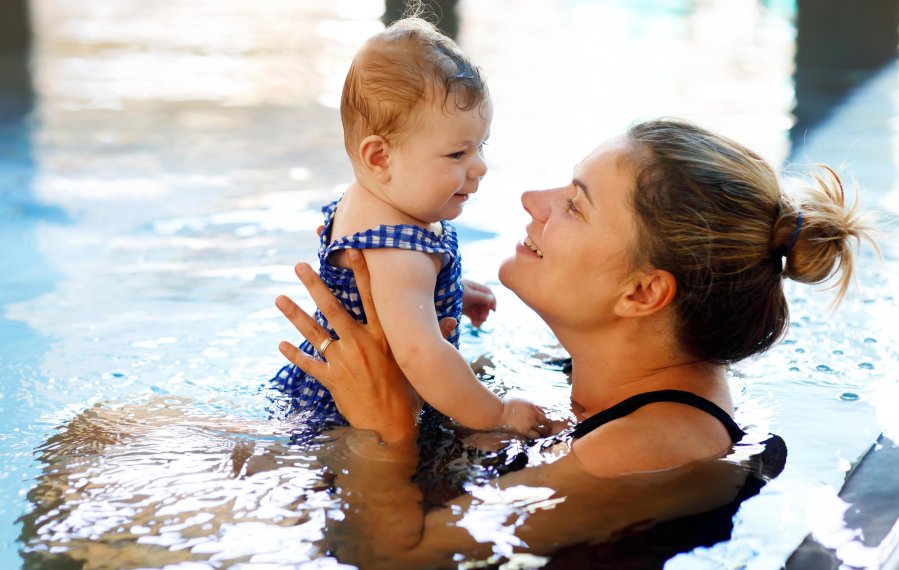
440	162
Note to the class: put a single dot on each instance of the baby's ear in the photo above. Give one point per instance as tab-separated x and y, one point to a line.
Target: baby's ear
374	154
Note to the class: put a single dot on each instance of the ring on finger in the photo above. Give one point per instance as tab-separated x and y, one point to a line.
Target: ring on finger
324	345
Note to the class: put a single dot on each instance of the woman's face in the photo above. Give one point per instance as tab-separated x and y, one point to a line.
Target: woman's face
575	260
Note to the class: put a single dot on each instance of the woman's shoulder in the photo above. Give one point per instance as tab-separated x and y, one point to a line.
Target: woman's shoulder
658	436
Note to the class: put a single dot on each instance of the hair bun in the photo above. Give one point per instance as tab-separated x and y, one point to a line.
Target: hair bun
816	235
782	251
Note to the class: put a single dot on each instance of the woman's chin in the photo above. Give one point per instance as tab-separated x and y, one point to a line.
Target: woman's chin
513	277
506	271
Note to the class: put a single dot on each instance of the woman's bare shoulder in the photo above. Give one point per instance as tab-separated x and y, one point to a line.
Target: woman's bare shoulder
658	436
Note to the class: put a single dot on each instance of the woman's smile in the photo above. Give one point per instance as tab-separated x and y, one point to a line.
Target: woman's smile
532	246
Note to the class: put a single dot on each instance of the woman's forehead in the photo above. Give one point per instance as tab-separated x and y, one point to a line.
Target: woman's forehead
605	160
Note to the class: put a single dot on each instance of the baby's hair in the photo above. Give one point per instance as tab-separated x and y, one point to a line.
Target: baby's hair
713	213
408	65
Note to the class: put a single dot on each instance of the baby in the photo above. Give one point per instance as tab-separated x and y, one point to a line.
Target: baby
416	114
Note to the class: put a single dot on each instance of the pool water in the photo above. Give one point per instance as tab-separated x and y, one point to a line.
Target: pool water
167	169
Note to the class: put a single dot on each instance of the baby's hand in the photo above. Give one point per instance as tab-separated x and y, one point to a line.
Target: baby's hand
477	302
523	417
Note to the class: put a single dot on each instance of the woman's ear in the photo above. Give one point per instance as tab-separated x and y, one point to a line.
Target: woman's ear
374	154
648	293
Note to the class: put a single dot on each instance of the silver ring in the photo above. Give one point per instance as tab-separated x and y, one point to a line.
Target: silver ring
324	345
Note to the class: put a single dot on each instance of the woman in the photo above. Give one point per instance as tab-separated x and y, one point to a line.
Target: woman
659	264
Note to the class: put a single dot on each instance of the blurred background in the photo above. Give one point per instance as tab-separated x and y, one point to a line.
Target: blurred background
162	166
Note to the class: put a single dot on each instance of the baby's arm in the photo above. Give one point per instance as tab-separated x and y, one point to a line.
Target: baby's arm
402	285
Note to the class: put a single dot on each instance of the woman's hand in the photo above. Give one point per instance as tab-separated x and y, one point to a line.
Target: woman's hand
477	302
367	385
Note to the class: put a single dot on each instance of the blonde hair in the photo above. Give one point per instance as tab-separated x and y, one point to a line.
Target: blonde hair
396	72
713	213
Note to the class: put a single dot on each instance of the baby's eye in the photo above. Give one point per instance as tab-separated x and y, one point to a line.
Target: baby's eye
481	147
456	155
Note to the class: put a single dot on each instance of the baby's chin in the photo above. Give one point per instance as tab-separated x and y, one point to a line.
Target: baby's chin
450	214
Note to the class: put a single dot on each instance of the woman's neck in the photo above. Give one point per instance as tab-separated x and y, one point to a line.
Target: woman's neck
607	369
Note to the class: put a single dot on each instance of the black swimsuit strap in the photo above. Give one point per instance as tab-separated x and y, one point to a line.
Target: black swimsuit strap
633	403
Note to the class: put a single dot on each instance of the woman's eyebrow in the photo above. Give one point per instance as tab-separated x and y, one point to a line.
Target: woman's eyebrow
583	187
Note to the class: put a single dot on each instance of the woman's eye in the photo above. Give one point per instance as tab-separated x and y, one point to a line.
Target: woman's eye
571	206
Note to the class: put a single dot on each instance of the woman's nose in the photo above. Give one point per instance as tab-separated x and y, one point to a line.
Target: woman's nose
536	204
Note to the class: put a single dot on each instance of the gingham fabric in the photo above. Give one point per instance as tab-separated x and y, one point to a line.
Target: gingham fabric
307	396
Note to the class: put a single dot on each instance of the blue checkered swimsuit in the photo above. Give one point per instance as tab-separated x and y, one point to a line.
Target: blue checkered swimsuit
307	396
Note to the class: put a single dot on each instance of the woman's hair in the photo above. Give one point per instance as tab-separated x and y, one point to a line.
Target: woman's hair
713	214
396	72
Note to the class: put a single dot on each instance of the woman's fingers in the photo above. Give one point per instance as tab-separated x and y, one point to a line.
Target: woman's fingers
302	321
311	331
329	306
368	387
363	284
306	363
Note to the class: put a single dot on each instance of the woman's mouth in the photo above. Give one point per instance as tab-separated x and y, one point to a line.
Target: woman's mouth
532	247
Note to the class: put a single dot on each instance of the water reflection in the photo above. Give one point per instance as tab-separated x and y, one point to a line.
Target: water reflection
160	482
134	486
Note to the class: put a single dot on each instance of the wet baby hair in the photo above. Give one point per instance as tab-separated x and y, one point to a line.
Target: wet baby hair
396	72
713	214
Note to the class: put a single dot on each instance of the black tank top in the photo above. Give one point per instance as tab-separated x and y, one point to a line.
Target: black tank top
634	403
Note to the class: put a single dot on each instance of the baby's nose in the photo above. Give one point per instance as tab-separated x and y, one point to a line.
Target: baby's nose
479	169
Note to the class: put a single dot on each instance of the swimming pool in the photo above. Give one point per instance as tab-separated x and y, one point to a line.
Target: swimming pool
169	173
